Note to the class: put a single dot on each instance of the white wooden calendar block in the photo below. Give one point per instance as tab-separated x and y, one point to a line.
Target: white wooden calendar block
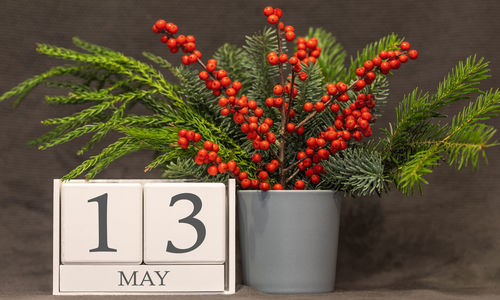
143	278
101	223
189	231
184	223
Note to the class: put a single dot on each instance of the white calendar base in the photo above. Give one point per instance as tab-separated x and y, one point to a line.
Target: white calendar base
142	278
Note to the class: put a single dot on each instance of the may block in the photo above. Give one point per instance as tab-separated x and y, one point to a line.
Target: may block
101	223
184	223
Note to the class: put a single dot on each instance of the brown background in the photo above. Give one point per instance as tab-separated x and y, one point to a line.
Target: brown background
448	239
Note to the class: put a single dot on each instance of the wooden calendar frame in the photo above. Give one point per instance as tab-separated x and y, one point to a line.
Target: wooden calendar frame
229	265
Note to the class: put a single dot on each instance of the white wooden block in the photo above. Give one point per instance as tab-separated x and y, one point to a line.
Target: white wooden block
184	223
101	223
143	278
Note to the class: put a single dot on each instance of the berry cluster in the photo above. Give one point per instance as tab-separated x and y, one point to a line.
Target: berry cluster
352	123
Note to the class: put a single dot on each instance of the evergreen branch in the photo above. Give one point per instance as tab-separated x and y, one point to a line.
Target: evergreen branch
186	168
117	149
80	116
160	61
411	173
96	49
356	171
232	59
22	89
331	60
71	135
389	42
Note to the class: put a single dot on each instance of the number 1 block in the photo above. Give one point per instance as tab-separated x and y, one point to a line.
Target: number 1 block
184	223
101	223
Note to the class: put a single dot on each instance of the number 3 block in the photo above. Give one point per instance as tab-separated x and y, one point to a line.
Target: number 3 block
184	223
101	223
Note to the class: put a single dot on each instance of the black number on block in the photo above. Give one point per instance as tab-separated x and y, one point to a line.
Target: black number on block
191	220
102	203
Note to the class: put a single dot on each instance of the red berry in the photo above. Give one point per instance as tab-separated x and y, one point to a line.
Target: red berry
278	12
212	170
385	67
319	106
335	107
293	60
208	145
230	92
403	58
360	84
245	183
377	61
368	65
190	39
268	11
243	175
290	36
278	90
211	67
312	43
404	46
236	85
300	185
341	87
155	29
270	167
256	157
273	19
273	59
183	142
264	186
203	75
308	106
383	54
222	167
255	183
181	39
413	54
370	76
331	89
185	60
311	142
360	71
263	175
197	137
300	130
290	127
172	28
315	179
395	64
160	24
223	101
270	102
258	112
264	145
277	186
343	98
303	76
283	58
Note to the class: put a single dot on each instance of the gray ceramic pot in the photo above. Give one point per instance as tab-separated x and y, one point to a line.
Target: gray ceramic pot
289	240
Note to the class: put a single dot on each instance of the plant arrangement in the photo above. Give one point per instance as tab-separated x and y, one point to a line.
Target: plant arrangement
270	117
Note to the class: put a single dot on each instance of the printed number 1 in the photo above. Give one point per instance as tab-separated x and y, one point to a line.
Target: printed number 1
102	203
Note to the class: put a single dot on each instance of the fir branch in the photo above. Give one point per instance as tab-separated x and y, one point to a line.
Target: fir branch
160	61
232	59
356	171
262	75
331	60
389	42
71	135
186	168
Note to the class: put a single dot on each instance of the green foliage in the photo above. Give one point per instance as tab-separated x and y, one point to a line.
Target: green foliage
414	144
389	42
356	171
332	58
107	85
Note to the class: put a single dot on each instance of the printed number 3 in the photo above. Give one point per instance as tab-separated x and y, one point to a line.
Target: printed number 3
191	220
102	202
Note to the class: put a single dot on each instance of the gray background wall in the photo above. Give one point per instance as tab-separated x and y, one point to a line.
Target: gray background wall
447	239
